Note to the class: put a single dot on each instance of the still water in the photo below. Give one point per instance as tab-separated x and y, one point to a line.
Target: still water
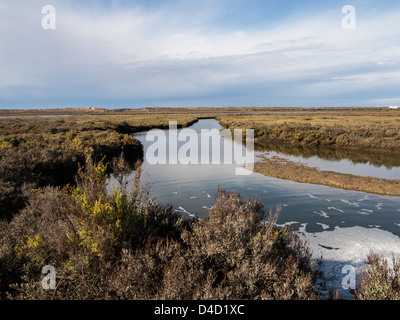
191	190
341	226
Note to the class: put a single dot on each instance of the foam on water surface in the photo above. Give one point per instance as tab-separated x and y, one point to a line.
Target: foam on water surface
348	246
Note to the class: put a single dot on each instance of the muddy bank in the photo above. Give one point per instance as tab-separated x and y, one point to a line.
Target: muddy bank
288	170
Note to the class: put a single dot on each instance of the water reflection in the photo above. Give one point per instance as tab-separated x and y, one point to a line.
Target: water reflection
191	190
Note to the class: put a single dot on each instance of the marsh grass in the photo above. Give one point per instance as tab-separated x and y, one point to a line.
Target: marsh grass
38	152
376	130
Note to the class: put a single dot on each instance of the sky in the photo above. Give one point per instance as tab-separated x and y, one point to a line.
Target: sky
199	53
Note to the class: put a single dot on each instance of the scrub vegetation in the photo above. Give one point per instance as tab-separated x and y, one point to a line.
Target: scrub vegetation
37	152
122	245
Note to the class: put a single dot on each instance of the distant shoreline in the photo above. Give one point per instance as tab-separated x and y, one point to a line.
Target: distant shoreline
184	110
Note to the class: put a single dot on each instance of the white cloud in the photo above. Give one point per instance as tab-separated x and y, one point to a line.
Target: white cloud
144	55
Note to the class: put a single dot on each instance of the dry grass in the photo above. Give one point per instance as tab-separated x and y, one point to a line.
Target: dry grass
376	130
327	117
118	123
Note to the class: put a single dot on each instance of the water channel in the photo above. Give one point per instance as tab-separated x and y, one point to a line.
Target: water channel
341	226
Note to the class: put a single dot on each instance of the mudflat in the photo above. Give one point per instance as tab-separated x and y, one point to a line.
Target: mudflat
288	170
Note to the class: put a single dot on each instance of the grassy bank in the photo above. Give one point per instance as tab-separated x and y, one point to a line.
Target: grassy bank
37	152
288	170
365	129
361	135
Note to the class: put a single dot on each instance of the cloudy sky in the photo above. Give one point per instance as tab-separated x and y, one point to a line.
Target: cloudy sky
199	53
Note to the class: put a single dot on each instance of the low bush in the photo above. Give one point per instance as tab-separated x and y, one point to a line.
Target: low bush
379	281
230	255
53	159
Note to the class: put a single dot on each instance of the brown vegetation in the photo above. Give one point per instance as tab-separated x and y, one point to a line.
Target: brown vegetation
29	161
121	245
371	129
184	110
36	152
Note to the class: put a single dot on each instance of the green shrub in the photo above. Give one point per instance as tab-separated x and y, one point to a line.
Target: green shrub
299	136
380	281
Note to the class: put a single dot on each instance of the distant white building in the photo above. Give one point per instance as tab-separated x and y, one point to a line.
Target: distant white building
394	107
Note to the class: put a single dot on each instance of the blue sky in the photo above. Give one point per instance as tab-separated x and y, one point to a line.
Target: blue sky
118	54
